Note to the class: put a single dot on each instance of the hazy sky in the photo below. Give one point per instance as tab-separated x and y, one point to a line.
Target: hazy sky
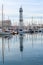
30	8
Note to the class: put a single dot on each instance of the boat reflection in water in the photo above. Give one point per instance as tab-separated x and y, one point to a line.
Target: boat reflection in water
21	51
3	45
7	39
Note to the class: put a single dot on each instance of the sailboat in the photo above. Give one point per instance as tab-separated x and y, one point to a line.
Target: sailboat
2	32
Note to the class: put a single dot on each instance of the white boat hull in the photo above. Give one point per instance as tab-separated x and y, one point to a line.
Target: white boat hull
4	33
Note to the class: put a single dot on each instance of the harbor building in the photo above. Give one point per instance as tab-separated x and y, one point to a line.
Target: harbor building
6	24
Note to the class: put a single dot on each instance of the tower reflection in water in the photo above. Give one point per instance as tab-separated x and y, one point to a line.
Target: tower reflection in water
21	44
8	38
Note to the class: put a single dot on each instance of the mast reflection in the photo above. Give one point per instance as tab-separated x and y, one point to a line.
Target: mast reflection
3	46
8	44
32	41
3	50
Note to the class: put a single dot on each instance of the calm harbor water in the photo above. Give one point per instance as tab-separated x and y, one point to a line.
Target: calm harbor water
21	50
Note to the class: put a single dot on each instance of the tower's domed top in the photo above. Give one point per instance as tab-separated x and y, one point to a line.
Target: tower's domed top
21	10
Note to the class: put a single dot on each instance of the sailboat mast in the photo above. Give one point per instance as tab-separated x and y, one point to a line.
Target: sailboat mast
2	17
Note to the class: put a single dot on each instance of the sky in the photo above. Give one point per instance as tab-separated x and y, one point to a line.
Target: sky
30	8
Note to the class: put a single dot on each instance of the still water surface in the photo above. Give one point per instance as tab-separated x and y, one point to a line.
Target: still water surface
22	50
